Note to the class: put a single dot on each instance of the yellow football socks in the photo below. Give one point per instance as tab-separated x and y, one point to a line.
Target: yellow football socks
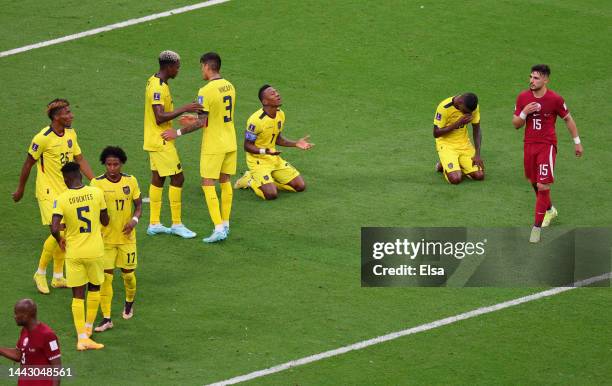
47	253
58	262
174	194
212	201
106	295
226	200
93	301
129	281
78	315
285	187
155	197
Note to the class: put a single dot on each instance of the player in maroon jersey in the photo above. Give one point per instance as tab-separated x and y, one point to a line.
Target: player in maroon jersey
37	345
537	109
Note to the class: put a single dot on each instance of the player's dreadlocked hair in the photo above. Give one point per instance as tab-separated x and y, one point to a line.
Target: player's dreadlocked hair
168	57
470	100
55	106
542	69
261	91
113	151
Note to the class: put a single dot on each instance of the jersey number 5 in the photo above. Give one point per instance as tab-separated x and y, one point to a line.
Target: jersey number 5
87	227
228	101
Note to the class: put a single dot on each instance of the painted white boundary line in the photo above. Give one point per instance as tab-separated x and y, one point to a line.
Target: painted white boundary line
111	27
410	331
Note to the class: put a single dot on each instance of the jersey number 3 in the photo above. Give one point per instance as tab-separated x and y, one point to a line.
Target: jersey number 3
228	102
87	227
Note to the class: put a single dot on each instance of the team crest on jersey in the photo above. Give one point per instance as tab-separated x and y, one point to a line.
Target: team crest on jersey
200	99
126	189
54	204
251	127
69	143
266	177
156	96
25	341
279	124
438	116
450	165
34	146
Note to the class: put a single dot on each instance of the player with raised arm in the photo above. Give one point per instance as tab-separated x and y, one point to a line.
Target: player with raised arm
458	157
164	159
83	210
268	172
537	109
50	149
37	345
122	194
218	152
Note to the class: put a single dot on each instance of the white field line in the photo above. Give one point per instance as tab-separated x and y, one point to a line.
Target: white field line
410	331
111	27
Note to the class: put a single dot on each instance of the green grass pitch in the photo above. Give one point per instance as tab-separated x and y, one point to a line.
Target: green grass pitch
363	79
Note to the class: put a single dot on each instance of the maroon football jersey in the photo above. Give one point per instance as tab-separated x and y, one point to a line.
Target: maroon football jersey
540	125
38	347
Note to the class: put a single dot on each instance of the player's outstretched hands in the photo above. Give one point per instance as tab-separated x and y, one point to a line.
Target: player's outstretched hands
169	135
531	108
303	143
18	194
192	107
477	161
464	120
127	229
578	150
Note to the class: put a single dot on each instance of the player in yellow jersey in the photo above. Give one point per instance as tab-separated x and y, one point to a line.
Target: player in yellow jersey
121	193
457	155
83	210
218	152
50	149
268	172
164	159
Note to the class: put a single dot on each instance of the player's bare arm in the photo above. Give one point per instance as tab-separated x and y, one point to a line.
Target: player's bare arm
249	146
11	353
56	227
171	134
301	143
573	130
477	135
104	219
127	229
518	121
85	168
162	116
23	177
57	363
464	120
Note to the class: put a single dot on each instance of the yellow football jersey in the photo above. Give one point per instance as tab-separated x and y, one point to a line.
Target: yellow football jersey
119	197
218	99
157	92
447	114
264	130
52	152
80	209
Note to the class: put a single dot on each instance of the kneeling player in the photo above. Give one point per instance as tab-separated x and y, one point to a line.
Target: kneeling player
268	172
84	212
120	191
457	155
